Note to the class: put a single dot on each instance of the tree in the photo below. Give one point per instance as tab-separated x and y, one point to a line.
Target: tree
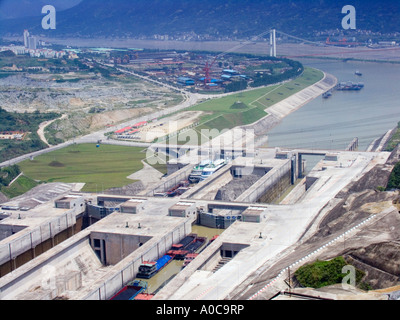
236	86
394	179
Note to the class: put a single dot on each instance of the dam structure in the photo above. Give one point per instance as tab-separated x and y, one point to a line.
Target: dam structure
261	203
256	200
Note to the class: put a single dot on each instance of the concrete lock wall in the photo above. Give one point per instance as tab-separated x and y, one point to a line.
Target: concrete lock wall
191	194
128	268
29	240
40	270
212	260
112	248
39	248
276	190
172	180
272	183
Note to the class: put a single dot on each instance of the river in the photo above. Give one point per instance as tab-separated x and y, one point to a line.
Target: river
333	123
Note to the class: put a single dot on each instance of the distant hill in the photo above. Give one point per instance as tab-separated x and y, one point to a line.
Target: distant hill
134	18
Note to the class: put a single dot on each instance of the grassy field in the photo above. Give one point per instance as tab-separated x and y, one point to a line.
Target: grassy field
222	113
261	97
100	168
394	140
20	186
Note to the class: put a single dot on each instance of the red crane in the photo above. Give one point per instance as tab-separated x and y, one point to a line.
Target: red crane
207	68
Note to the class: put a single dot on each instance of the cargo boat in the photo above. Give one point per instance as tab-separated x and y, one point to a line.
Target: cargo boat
189	258
349	86
326	95
182	245
179	189
149	268
144	296
213	239
131	290
191	248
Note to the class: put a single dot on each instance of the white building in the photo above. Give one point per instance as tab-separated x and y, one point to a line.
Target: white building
32	43
26	36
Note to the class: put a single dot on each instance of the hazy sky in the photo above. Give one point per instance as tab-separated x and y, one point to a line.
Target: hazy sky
23	8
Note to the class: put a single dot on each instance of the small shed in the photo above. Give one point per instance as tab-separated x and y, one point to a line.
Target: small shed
133	206
69	202
254	214
182	209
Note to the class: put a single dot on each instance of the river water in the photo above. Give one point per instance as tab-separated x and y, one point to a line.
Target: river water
333	123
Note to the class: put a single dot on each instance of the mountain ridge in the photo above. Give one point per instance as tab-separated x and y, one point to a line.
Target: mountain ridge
244	18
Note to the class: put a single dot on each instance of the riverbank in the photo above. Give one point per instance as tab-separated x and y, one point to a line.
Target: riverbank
332	123
287	106
289	50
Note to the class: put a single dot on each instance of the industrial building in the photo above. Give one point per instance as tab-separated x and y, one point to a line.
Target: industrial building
185	81
197	72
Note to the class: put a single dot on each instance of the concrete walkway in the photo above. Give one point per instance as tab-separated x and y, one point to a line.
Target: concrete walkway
148	175
299	99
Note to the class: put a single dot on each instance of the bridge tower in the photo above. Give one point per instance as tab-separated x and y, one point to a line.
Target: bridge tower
272	43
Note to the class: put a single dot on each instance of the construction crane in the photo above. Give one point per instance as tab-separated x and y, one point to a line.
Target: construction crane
207	68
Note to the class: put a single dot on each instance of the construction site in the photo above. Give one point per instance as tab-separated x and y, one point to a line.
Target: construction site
203	72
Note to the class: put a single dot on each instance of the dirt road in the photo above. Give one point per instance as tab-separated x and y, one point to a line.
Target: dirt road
43	126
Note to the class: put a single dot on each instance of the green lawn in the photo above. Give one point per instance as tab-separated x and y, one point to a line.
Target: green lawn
394	140
20	186
265	96
100	168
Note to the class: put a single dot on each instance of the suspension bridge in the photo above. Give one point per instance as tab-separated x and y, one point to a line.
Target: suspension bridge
290	46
